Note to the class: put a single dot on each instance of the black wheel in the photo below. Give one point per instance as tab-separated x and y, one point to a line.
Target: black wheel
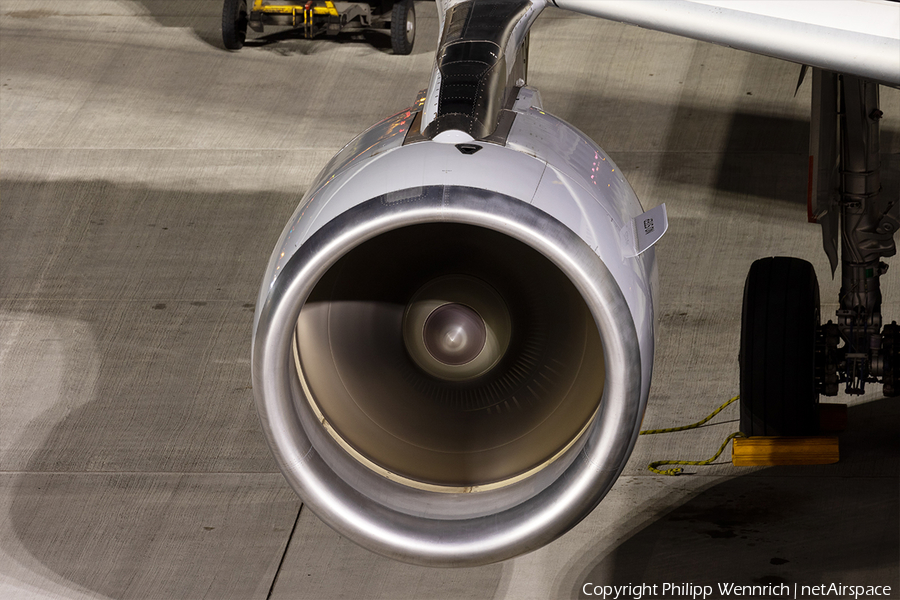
403	26
890	350
778	337
234	23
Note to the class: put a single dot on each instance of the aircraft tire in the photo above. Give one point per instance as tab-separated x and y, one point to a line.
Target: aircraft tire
234	24
403	27
777	358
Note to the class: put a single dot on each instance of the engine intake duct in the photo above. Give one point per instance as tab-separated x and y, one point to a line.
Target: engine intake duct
450	356
447	375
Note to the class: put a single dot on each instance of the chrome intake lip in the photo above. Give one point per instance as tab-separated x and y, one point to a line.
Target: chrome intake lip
421	526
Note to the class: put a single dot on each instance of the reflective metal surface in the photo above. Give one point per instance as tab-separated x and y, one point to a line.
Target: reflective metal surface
475	310
431	524
474	64
454	334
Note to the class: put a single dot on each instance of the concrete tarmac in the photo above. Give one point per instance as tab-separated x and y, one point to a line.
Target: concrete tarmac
146	175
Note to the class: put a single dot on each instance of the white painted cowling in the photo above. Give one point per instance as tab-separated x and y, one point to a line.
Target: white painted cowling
453	342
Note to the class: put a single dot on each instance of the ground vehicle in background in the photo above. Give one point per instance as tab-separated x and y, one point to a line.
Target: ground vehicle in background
321	17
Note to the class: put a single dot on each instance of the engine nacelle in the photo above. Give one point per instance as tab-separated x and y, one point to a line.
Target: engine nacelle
453	341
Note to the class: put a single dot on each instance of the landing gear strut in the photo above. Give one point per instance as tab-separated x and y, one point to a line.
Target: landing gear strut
787	357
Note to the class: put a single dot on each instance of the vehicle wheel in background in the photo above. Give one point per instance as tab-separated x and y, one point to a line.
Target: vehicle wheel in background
403	27
234	23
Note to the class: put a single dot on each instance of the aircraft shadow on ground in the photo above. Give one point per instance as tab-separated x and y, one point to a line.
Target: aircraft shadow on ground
810	525
756	154
768	157
101	487
119	492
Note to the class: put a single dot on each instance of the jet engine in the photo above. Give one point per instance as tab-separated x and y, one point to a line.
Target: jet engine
454	338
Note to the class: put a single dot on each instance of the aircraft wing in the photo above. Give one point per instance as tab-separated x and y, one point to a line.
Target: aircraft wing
859	37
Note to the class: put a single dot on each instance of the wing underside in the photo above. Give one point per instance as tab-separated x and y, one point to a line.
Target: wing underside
859	37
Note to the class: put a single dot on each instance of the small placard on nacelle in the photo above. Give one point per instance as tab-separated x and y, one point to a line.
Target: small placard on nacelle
643	231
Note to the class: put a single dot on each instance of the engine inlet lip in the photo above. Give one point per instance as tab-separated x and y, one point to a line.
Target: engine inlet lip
490	526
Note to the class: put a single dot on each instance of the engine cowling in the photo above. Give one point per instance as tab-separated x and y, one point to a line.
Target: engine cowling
453	341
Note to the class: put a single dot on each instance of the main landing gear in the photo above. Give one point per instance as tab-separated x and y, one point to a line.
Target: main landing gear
788	357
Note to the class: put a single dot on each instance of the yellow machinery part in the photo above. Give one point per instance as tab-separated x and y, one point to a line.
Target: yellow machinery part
323	8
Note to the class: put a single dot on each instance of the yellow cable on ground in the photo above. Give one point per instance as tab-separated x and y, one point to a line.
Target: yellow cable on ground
677	470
